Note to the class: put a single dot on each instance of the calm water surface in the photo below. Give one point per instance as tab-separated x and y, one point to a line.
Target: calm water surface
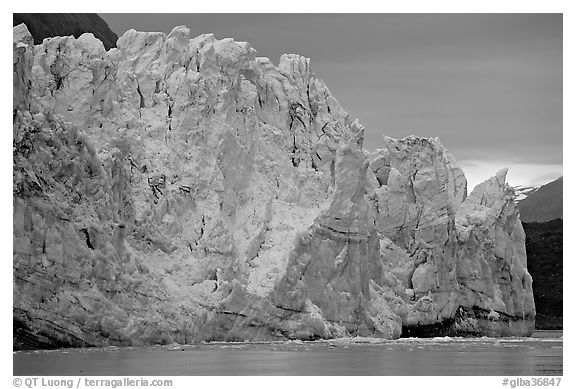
538	355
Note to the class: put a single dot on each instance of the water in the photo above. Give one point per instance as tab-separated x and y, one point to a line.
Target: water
538	355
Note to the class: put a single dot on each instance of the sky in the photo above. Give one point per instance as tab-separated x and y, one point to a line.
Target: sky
488	85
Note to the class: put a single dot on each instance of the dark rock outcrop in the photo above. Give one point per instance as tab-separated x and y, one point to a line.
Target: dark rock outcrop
47	25
544	249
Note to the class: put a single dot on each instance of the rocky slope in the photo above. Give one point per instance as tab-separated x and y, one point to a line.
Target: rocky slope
541	212
179	189
47	25
544	249
543	204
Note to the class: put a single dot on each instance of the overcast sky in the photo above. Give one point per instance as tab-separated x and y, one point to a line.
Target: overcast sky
488	85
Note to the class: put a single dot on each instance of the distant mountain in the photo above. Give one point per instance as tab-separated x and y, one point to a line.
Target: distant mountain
522	191
543	204
46	25
544	255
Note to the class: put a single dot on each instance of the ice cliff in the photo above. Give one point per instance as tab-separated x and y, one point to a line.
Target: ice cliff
178	189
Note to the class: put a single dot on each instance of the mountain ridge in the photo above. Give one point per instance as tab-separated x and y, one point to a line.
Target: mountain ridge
544	203
522	191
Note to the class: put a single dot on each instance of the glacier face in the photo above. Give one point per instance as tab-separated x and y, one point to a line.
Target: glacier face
179	189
